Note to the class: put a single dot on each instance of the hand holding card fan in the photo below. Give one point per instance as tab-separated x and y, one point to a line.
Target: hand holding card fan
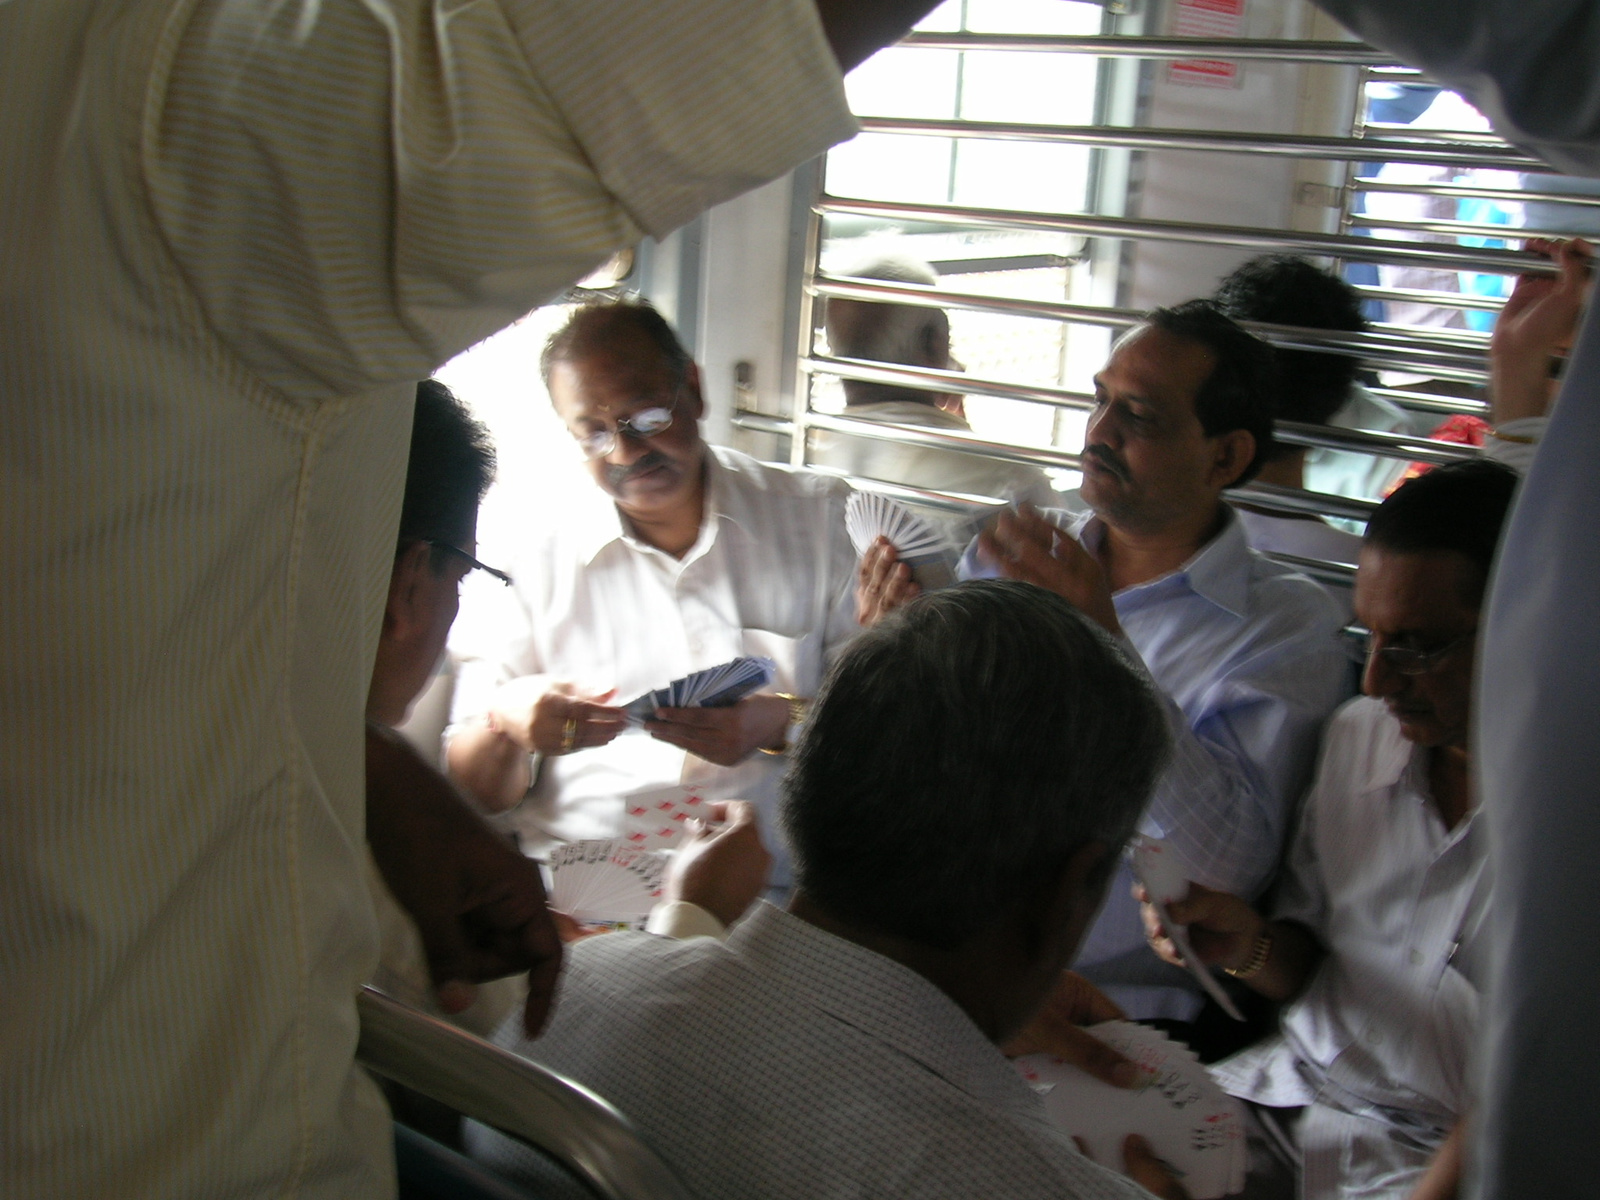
606	881
715	687
871	515
1163	877
1195	1128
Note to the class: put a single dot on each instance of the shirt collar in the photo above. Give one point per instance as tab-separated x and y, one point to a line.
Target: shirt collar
885	1000
1220	572
598	523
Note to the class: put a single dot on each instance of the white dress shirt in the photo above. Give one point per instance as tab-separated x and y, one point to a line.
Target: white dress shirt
772	573
235	234
1245	651
1530	67
790	1064
1382	1034
1305	537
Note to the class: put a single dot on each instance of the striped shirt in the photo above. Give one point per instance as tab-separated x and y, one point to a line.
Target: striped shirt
234	234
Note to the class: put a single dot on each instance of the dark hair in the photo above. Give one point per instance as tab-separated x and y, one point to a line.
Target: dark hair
598	324
888	332
450	468
1285	290
1460	507
1239	391
959	753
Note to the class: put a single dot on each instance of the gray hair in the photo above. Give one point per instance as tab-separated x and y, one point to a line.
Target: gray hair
884	331
960	753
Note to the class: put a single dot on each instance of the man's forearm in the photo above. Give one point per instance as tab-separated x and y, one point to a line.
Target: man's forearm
1293	957
492	768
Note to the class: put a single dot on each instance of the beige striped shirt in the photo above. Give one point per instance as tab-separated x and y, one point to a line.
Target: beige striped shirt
232	233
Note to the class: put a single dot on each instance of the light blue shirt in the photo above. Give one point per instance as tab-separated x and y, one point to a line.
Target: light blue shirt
1245	652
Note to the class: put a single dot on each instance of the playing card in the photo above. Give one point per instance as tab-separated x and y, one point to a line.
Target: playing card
1165	880
1189	1122
658	820
715	687
606	881
922	547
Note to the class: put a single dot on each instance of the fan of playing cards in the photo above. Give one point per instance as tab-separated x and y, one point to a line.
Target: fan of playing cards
1192	1125
871	515
715	687
606	881
1164	879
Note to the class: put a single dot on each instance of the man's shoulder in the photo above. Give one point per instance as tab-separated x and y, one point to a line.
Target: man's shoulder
1290	597
800	483
1362	749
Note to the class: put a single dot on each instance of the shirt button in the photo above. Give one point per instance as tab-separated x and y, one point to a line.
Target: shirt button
1415	957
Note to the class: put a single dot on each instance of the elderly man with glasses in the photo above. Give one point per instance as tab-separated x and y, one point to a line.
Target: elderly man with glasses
682	558
1376	932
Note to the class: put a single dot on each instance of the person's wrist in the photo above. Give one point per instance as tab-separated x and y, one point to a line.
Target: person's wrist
1256	955
794	715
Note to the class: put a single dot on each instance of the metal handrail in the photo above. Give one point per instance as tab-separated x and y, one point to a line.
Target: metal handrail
1449	228
1442	299
1459	191
1364	249
1112	46
521	1099
933	379
1447	355
1429	152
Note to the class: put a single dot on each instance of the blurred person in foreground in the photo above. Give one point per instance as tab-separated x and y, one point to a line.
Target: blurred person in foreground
960	795
1377	930
681	557
1241	648
236	235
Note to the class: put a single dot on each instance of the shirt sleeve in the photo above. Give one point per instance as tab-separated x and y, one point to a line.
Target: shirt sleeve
355	191
1528	65
1514	443
680	919
1240	762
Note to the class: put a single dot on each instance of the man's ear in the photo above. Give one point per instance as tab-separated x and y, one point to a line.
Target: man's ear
694	400
1067	904
1234	452
406	611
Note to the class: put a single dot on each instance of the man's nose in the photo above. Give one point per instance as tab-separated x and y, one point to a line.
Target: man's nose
1102	429
630	448
1378	678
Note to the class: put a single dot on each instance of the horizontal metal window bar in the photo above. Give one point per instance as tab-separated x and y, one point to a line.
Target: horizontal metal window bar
1481	137
929	379
1438	152
1457	228
1366	183
1362	249
521	1099
1422	402
1443	299
941	439
1384	445
1269	49
1461	341
1338	574
1298	500
1379	339
961	503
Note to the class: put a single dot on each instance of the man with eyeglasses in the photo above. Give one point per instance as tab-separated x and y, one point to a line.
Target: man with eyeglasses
681	558
1376	933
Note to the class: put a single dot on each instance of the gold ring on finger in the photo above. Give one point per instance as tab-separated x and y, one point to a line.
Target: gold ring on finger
569	734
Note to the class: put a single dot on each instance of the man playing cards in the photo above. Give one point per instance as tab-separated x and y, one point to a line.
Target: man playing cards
1377	929
681	558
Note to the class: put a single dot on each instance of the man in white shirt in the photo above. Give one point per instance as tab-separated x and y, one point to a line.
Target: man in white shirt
914	336
1376	930
680	559
1243	649
236	235
960	792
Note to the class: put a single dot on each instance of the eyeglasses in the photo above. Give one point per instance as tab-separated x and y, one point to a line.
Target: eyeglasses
645	423
471	562
1406	660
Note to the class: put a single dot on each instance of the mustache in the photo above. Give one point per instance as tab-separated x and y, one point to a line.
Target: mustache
1107	460
617	475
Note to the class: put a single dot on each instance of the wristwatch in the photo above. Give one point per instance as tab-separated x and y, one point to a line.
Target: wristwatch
797	716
